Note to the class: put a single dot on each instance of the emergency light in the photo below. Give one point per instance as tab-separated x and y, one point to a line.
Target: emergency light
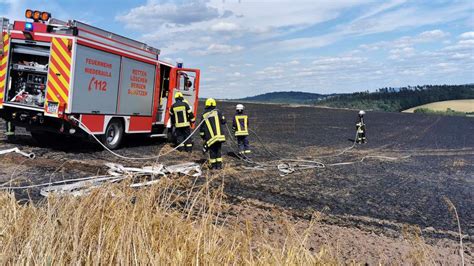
45	16
28	26
29	13
179	63
37	15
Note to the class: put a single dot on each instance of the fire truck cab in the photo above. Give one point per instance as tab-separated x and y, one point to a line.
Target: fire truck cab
71	78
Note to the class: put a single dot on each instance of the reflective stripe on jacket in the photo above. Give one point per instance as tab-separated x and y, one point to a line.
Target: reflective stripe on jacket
240	125
181	114
211	130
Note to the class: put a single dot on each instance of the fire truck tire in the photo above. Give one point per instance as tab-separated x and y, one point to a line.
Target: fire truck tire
113	134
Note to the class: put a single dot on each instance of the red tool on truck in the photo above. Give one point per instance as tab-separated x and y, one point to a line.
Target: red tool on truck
54	72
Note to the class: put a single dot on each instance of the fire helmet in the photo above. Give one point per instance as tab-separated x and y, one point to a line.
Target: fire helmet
239	107
178	95
361	112
211	102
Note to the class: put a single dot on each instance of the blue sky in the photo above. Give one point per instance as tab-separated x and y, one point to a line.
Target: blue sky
249	47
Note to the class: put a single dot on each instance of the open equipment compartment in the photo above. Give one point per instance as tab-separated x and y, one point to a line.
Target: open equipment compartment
28	73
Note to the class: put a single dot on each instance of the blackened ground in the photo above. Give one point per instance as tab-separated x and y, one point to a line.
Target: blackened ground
408	190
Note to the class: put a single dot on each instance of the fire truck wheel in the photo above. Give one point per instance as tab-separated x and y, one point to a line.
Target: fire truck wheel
113	134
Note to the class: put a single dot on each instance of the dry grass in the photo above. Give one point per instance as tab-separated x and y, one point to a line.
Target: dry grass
174	222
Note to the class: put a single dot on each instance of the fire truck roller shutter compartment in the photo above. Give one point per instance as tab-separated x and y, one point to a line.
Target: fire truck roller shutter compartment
136	88
96	81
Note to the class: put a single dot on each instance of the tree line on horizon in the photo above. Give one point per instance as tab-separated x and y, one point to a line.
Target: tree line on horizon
399	99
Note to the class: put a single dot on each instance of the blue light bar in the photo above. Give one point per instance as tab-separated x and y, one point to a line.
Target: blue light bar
28	26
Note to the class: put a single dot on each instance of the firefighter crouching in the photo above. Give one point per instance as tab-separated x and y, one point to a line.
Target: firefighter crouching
182	118
241	131
212	133
360	126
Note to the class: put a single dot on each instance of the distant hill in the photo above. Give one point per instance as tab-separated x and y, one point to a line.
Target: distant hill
384	99
286	97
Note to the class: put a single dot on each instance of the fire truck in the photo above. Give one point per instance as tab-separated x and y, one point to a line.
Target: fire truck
55	73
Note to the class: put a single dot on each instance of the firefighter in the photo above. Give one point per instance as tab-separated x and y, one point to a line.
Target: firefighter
241	131
10	130
360	126
212	133
182	118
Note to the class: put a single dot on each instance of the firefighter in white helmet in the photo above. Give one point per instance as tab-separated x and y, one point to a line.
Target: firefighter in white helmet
212	133
182	118
360	127
240	126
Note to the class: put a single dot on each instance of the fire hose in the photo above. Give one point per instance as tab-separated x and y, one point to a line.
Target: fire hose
288	166
88	131
16	150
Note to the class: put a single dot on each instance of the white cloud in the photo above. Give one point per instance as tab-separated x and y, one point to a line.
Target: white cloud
467	35
462	45
408	41
235	75
158	13
402	53
432	35
217	48
338	60
289	63
224	27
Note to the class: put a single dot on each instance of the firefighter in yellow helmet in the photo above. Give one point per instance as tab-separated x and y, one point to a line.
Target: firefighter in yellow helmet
182	118
241	131
360	127
212	133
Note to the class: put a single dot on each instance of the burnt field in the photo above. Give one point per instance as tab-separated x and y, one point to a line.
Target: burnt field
378	194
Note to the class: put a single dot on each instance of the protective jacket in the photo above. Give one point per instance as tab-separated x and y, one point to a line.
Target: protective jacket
240	125
211	130
181	114
360	126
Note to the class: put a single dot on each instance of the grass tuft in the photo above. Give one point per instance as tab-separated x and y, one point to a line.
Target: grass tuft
174	222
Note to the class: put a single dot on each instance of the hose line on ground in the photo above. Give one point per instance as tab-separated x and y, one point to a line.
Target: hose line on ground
88	131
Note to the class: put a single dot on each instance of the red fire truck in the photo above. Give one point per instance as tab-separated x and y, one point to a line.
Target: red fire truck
53	72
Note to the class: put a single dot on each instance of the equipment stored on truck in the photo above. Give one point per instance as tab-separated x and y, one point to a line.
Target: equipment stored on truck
52	71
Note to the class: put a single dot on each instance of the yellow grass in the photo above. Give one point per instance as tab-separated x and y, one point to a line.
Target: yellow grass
175	222
465	106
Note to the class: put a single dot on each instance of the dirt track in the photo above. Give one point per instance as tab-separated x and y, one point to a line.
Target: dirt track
374	195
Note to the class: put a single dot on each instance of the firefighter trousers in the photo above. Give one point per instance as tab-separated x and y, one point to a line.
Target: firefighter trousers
181	134
361	137
243	143
215	155
10	130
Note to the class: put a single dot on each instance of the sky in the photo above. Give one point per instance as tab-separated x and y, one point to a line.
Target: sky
250	47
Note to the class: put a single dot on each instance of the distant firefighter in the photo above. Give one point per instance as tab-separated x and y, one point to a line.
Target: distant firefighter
360	126
212	133
241	131
182	118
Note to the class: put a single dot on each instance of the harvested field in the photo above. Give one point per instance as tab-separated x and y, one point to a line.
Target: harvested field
364	209
465	106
